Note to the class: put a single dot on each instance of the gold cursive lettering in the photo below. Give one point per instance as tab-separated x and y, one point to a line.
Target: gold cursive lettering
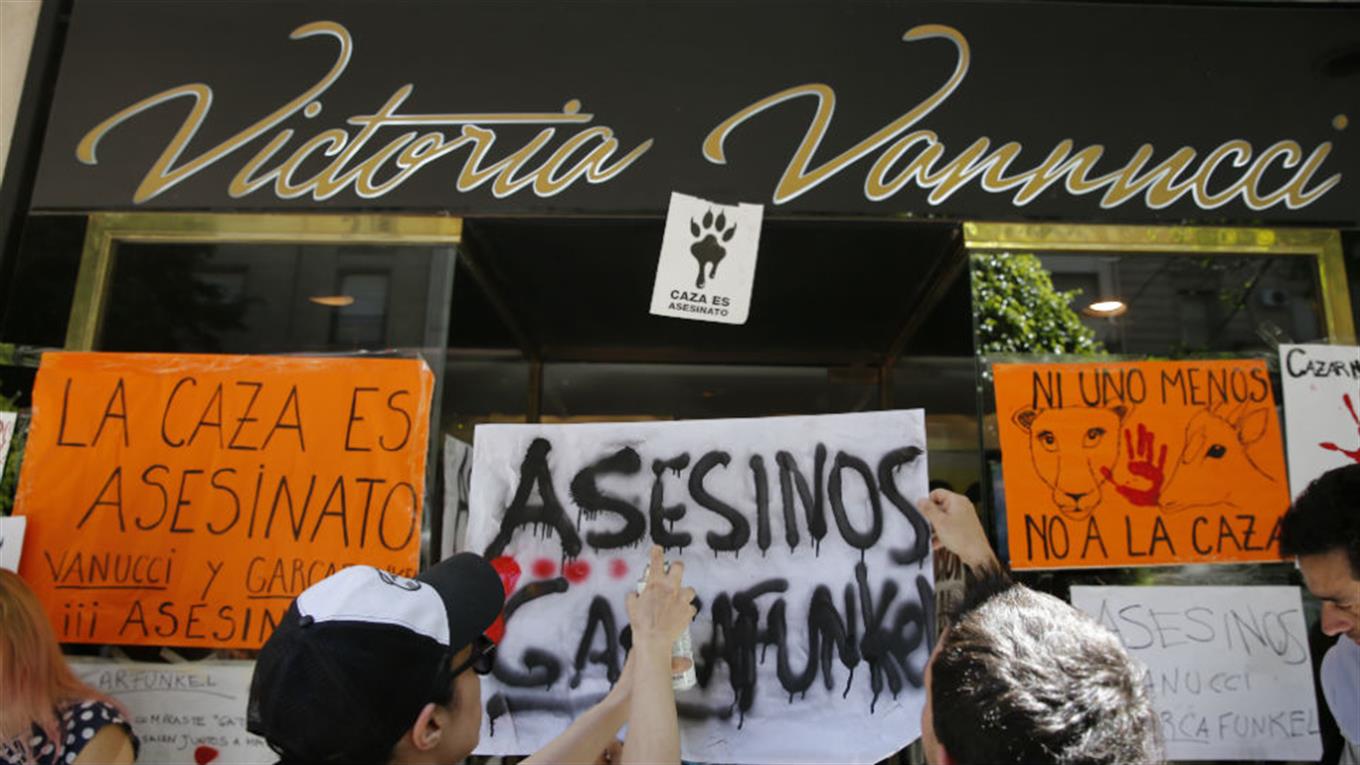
797	180
920	153
585	155
161	177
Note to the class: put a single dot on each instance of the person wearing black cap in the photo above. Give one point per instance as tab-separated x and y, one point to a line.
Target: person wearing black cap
369	667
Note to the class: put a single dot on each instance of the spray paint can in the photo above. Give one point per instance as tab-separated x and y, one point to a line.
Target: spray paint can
682	651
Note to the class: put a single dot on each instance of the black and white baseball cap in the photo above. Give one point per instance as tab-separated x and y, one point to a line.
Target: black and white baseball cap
360	653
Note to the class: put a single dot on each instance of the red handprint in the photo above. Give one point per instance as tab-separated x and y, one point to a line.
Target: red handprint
1354	455
1142	466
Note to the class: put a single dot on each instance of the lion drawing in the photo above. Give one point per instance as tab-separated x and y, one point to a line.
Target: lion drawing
1069	446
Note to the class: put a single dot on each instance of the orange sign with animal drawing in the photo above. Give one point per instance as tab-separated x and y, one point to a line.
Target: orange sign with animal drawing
1140	463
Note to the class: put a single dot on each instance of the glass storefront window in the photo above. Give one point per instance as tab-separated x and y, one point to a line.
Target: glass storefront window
272	298
572	392
1174	305
363	322
1074	295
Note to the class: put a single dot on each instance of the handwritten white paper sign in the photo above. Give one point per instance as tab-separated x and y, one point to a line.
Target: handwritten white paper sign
183	713
799	534
12	541
8	421
1228	667
707	267
1321	409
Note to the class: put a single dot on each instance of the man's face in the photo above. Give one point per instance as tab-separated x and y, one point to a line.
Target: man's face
934	751
463	718
1330	578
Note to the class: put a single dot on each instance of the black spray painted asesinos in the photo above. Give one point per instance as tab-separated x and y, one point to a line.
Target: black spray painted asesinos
660	520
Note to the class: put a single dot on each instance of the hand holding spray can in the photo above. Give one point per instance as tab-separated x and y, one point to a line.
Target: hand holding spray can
682	650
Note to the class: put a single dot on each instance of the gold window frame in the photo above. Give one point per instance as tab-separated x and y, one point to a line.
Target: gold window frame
104	231
1322	244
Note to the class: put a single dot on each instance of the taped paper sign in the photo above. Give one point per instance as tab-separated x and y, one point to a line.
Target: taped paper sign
8	421
185	500
1140	463
183	712
1321	395
700	236
12	542
457	479
799	534
1228	667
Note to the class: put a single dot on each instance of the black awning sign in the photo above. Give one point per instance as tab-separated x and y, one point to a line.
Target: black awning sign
937	119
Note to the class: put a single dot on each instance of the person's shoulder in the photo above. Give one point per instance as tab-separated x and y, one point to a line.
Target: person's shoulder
1340	680
95	730
1342	659
82	714
1341	666
112	745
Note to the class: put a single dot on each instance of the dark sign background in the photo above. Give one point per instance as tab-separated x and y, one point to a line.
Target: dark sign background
1119	76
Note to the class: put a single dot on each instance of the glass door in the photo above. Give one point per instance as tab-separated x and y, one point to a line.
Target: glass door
270	284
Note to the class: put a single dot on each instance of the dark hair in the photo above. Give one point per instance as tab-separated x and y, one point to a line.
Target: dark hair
1022	677
1326	517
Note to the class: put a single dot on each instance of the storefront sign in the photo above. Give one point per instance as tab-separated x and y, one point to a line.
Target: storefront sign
183	713
941	109
701	236
1321	393
812	567
1140	463
185	500
1228	667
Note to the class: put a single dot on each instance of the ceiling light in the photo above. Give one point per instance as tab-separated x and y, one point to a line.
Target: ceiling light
332	301
1107	308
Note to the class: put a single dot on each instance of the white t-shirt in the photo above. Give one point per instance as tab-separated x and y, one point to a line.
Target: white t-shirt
1341	686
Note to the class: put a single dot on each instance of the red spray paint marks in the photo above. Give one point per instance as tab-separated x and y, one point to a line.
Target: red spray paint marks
509	571
576	571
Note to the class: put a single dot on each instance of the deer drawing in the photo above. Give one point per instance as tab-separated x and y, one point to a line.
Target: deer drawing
1072	450
1216	467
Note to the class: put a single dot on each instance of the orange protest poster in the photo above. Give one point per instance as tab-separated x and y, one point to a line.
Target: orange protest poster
185	500
1140	463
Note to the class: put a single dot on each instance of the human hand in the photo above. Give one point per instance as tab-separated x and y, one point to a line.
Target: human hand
1141	466
957	528
663	609
611	754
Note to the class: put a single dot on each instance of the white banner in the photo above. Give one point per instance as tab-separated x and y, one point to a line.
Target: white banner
183	713
800	535
1321	401
1228	667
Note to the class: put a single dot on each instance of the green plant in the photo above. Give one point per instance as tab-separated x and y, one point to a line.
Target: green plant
1019	311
